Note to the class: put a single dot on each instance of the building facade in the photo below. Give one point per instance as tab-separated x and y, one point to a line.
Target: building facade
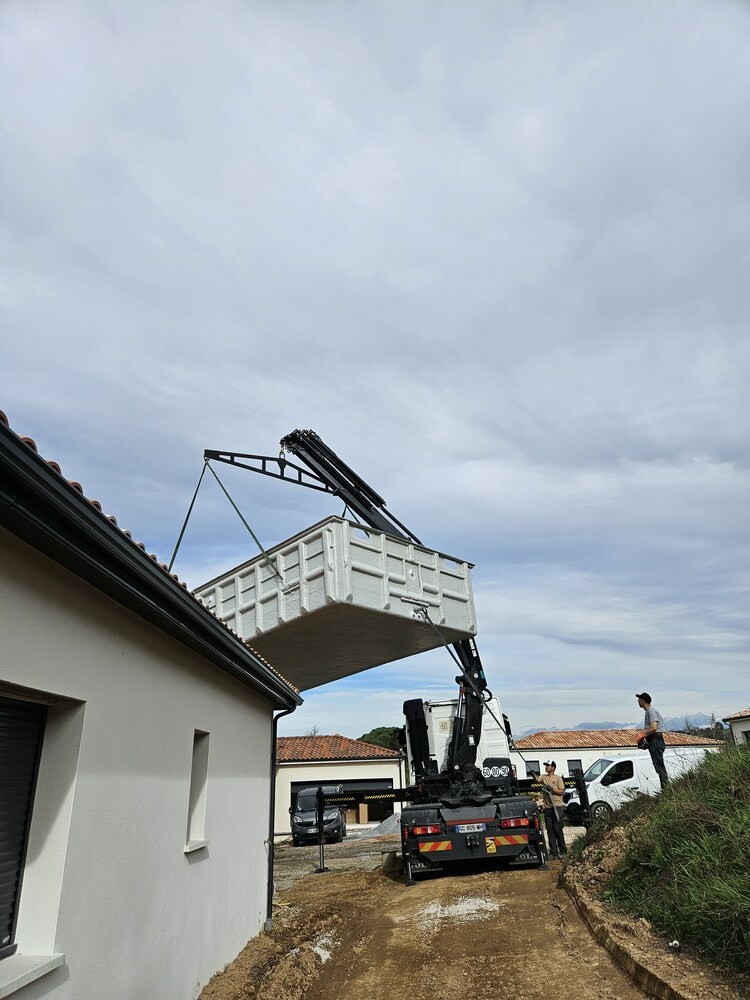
579	748
140	728
739	724
305	761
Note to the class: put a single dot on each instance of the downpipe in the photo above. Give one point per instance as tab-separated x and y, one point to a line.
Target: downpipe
269	893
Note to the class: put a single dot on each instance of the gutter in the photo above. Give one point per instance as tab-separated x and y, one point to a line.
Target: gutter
271	819
41	507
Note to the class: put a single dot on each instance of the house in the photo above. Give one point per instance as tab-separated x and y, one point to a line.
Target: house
739	724
579	748
302	761
135	777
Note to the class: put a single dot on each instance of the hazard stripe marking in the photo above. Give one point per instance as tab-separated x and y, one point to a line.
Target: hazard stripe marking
435	845
516	838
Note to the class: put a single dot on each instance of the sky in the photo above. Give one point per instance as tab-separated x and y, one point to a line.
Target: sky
496	255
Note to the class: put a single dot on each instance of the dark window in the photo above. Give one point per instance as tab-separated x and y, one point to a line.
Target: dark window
621	771
21	730
574	765
532	767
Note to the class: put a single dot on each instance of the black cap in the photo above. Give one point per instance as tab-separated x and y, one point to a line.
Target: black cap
645	696
550	763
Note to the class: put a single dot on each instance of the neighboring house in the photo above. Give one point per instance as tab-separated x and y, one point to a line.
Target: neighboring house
739	723
136	736
302	761
579	748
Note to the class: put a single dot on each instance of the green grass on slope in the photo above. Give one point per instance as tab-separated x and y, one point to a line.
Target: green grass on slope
687	865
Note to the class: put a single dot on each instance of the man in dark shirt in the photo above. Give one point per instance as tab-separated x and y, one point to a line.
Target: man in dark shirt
653	730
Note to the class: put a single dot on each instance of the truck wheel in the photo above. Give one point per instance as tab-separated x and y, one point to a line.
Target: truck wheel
600	810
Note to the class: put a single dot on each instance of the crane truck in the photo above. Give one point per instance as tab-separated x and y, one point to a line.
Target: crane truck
455	810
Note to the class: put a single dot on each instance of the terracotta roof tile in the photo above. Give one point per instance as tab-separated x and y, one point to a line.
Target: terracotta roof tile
596	739
96	505
299	748
743	714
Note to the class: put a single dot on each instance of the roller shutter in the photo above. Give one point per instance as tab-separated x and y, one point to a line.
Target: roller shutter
21	730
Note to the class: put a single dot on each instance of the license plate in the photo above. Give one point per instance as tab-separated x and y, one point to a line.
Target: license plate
470	827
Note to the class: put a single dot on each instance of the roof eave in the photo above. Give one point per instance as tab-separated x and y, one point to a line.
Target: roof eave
45	511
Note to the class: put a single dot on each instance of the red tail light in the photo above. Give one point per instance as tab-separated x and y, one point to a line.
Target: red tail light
432	828
519	821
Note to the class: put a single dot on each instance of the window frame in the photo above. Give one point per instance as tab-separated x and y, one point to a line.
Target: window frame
195	836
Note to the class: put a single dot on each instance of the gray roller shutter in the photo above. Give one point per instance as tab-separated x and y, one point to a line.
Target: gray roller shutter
21	731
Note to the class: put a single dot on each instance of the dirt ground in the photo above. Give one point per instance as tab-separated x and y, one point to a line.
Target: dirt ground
358	931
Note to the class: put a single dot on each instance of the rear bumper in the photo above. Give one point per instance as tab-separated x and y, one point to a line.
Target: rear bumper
493	845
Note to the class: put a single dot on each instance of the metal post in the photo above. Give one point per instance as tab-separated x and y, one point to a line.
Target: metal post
583	798
320	809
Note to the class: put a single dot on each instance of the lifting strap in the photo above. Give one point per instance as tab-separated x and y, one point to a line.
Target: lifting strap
207	465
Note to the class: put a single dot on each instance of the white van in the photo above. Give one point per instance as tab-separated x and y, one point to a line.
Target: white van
613	781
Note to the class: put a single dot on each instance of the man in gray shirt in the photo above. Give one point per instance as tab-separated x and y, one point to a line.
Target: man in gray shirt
653	730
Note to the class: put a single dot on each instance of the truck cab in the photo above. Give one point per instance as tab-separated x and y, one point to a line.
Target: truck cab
440	718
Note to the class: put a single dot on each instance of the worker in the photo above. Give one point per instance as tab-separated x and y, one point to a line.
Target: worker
554	787
652	737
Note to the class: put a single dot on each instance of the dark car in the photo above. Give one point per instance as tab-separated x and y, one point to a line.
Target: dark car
305	818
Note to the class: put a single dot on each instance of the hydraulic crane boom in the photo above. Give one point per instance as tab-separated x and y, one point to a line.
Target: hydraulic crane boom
328	473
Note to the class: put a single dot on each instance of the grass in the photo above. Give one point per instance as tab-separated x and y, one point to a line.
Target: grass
687	864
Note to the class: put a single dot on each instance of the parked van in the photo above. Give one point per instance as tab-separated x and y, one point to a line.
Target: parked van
305	817
613	781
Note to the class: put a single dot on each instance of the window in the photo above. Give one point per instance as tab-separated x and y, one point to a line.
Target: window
574	764
196	824
532	767
622	770
22	724
596	768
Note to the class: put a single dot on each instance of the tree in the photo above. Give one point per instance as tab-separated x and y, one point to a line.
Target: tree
314	730
382	736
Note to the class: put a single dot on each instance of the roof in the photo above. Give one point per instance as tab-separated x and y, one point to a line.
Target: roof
597	739
290	749
743	714
52	514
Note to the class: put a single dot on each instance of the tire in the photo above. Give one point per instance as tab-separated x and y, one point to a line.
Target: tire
600	810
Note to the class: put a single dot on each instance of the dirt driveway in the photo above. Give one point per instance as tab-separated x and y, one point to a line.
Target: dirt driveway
357	931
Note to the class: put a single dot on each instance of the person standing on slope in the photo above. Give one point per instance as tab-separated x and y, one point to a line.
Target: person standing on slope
653	736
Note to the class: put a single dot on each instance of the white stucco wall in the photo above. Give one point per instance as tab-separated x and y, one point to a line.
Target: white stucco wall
325	771
741	732
107	881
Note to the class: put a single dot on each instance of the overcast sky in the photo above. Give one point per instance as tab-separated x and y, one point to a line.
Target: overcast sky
497	255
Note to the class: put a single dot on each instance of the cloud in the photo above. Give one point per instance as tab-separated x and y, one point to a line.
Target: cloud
495	256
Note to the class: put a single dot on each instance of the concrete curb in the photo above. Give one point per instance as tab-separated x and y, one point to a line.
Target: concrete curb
644	978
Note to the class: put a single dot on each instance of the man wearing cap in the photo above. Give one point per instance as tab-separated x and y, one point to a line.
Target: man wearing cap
653	735
554	787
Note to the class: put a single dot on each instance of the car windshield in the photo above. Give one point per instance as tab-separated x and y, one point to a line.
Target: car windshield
306	801
596	769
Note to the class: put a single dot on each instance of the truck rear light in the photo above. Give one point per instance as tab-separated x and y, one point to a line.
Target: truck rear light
518	821
432	828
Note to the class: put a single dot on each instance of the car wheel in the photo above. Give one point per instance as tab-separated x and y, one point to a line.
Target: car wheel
600	810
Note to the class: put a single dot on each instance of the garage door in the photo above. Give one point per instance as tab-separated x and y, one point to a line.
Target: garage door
21	729
376	810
